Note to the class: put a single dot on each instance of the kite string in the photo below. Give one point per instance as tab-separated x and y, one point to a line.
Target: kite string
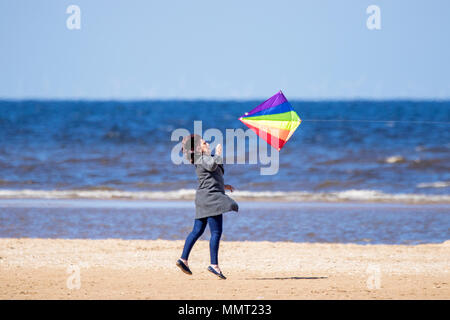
377	121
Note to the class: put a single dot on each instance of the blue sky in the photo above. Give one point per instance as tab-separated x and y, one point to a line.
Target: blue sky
224	50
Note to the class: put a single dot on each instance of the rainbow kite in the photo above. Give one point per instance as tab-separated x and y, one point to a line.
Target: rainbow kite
274	120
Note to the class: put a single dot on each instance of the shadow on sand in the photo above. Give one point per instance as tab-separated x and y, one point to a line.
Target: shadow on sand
290	278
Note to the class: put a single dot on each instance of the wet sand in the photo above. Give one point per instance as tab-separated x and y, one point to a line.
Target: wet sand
359	223
145	269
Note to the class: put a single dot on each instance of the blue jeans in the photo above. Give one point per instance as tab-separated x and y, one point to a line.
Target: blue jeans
215	226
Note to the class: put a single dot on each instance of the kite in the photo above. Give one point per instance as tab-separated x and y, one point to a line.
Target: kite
274	120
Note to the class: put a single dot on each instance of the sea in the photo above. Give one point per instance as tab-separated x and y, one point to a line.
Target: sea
355	171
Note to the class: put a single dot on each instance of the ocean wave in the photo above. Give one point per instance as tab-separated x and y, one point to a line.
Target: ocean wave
437	184
5	182
189	194
435	163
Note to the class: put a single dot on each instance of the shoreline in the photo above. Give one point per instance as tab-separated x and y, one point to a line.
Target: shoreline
187	203
145	269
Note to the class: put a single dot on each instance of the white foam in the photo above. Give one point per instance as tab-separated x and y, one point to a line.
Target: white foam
189	194
345	196
395	159
98	194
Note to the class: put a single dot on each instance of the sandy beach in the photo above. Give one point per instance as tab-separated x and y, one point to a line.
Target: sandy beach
145	269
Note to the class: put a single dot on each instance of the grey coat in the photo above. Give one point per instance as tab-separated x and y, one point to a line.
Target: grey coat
210	198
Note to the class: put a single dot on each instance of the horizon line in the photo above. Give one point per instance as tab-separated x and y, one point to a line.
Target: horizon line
218	99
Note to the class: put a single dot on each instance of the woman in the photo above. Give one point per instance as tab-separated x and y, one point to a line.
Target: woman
210	200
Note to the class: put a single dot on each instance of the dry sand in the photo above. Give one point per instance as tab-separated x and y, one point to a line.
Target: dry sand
141	269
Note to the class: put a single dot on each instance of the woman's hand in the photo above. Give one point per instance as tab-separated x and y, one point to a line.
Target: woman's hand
218	149
229	187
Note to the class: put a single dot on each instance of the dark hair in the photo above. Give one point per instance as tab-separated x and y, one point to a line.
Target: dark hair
191	147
